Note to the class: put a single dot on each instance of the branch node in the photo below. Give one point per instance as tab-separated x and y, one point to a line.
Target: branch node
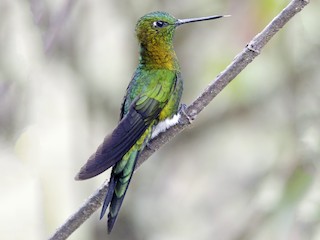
250	46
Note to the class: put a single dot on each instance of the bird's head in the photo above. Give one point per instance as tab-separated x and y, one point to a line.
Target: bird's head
160	26
155	28
155	34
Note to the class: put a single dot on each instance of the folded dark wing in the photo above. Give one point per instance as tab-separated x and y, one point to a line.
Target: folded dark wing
141	113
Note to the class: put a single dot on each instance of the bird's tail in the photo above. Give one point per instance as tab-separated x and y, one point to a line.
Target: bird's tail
118	185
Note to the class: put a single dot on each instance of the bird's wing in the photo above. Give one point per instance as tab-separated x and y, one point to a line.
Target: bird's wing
140	115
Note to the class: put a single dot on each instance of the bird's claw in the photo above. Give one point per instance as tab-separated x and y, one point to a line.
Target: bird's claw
183	112
183	107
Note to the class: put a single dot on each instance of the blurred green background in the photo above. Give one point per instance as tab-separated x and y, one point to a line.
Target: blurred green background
247	169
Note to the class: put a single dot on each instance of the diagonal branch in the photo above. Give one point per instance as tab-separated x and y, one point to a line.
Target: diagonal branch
250	52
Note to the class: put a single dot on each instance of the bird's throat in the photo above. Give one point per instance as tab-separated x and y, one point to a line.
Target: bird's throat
158	56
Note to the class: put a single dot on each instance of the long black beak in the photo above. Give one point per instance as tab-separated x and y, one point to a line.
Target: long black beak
190	20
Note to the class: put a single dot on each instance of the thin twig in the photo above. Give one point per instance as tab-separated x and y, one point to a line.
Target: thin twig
251	51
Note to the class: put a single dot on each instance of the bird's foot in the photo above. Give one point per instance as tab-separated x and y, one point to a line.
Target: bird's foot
182	107
184	118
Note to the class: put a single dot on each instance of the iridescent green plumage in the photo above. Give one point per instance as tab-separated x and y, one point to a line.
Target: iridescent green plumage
153	96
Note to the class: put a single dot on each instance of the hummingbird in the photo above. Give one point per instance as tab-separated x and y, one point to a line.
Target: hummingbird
150	106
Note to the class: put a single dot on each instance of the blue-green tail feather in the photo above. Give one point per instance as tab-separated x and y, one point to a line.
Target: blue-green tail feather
118	185
108	197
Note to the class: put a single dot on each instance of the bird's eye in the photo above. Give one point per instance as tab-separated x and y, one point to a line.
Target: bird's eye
160	24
